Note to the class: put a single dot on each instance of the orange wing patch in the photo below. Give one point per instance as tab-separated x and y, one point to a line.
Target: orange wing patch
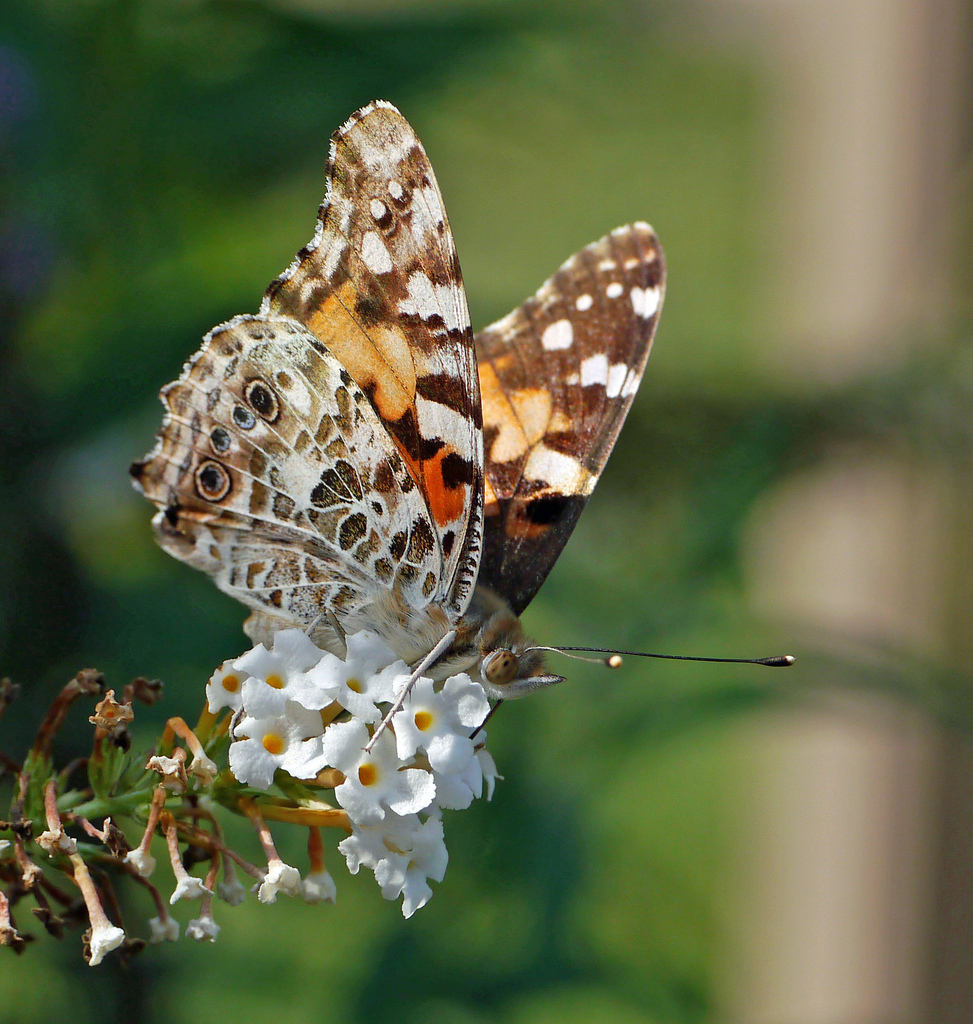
380	360
447	500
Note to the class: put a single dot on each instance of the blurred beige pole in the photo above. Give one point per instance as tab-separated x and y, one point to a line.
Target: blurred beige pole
871	108
841	920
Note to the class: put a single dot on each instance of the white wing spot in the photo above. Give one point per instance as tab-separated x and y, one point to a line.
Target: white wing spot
573	379
437	420
607	265
594	370
395	189
378	209
645	302
614	290
584	302
558	335
427	300
558	470
374	253
332	260
616	380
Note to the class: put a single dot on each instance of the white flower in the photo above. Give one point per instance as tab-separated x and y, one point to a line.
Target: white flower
441	723
163	931
291	741
403	852
188	887
487	765
202	929
172	770
278	676
225	688
319	887
56	842
104	938
142	861
455	791
231	891
374	781
203	768
365	678
280	877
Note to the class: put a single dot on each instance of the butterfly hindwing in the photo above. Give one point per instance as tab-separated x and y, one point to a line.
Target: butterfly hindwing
274	474
380	286
557	378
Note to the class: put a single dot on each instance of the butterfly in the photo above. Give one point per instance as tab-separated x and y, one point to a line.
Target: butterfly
352	457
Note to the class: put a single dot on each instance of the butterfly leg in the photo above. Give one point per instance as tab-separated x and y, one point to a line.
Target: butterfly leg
489	715
430	659
336	626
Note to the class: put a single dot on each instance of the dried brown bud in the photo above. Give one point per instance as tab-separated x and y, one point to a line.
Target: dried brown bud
22	827
110	715
9	691
53	925
90	681
146	691
115	839
9	936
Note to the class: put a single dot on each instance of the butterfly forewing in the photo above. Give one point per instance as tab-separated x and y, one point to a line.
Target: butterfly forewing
380	286
557	377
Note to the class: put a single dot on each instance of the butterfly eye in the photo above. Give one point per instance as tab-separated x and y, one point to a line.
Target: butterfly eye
500	667
262	400
212	481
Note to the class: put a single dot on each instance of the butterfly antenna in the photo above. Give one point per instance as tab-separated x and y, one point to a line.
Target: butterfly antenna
613	661
614	658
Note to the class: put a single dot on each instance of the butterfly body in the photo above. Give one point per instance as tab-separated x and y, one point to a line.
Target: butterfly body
349	457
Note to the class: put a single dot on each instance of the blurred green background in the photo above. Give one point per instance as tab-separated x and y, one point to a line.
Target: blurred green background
671	843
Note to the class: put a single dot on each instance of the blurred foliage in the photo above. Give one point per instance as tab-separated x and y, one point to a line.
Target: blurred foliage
162	161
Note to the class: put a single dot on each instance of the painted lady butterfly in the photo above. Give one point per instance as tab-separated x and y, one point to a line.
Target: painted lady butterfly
352	457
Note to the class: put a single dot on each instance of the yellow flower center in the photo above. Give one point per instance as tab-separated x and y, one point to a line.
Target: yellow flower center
275	681
354	685
423	720
273	743
367	774
231	683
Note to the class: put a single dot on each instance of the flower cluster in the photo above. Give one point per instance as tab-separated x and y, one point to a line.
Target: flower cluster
313	716
283	728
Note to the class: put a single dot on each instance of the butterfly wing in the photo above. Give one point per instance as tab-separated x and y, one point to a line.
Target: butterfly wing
380	286
273	473
557	378
328	451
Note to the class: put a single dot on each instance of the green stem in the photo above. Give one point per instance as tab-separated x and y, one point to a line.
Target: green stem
101	807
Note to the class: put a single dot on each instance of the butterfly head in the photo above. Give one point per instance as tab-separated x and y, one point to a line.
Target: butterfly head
505	674
510	665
